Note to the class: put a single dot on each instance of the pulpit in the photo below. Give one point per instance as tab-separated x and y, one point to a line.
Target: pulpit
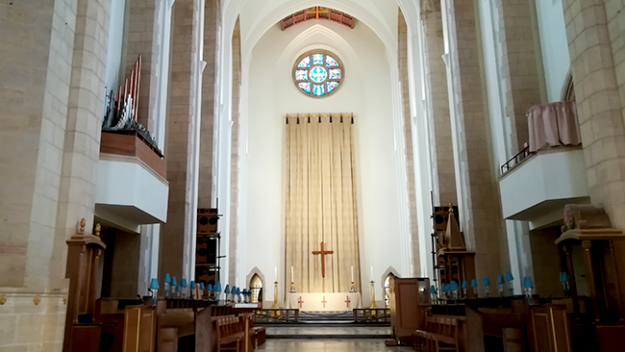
588	234
81	333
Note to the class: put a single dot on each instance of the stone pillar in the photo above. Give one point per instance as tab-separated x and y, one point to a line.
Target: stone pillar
52	69
211	25
144	30
480	209
178	234
598	81
519	66
402	47
443	174
235	162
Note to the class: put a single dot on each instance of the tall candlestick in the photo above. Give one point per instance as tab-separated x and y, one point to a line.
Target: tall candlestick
292	273
352	273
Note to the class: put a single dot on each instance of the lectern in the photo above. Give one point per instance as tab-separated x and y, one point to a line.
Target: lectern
408	300
81	334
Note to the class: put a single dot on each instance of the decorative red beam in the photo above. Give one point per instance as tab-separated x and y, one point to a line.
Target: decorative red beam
318	13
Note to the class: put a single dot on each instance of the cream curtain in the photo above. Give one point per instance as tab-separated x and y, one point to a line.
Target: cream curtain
321	202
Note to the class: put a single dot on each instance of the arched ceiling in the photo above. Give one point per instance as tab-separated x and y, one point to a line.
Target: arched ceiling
258	16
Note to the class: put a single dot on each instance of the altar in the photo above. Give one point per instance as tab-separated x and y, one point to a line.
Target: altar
323	302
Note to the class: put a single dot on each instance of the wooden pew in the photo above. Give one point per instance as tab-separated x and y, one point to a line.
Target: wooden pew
441	335
507	323
176	323
230	333
258	334
178	319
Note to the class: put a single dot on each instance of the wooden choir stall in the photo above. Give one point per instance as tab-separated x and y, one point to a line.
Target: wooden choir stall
594	254
136	325
462	321
454	262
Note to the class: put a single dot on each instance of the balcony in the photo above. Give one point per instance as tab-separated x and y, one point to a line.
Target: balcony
537	189
132	189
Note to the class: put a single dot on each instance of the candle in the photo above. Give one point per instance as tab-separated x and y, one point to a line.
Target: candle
371	273
352	273
276	273
292	274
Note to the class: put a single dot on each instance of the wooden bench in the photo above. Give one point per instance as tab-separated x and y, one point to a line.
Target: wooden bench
259	336
230	333
441	334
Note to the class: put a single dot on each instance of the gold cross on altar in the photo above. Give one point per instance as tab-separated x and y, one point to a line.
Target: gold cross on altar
323	262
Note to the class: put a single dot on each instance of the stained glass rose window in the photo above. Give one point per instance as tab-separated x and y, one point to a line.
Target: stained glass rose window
318	73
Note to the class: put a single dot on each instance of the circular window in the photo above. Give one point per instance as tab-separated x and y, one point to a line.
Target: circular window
318	73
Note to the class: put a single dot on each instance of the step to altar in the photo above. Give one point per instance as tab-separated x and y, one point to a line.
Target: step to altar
330	331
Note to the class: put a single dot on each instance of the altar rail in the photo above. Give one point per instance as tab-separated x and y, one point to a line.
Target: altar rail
372	315
276	316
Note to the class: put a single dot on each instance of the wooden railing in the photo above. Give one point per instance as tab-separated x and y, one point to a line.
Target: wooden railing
372	315
276	316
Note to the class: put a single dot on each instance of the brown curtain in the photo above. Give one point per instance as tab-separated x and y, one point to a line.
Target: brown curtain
321	202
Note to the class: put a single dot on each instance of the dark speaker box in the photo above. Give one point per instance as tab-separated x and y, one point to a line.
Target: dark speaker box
441	215
207	220
206	251
204	275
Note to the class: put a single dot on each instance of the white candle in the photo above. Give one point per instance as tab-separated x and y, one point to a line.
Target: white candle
371	273
276	273
292	274
352	273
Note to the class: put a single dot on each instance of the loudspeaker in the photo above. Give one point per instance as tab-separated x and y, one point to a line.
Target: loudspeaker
204	275
441	215
207	221
206	251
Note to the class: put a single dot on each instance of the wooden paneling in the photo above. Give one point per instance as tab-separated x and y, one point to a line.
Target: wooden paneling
139	329
610	337
85	338
133	145
550	327
407	313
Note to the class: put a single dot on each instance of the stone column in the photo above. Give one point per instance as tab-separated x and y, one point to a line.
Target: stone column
83	130
480	209
211	25
402	47
235	162
519	66
443	174
177	235
598	81
52	69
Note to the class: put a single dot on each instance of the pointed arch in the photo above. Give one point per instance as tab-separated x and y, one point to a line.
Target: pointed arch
255	281
387	283
568	89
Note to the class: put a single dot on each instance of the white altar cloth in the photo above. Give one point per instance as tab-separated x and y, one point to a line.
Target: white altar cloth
323	302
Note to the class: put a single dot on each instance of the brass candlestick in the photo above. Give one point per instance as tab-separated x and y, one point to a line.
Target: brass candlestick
275	295
353	289
292	290
275	299
372	295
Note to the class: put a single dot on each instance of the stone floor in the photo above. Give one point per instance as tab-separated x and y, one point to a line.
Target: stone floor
285	345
